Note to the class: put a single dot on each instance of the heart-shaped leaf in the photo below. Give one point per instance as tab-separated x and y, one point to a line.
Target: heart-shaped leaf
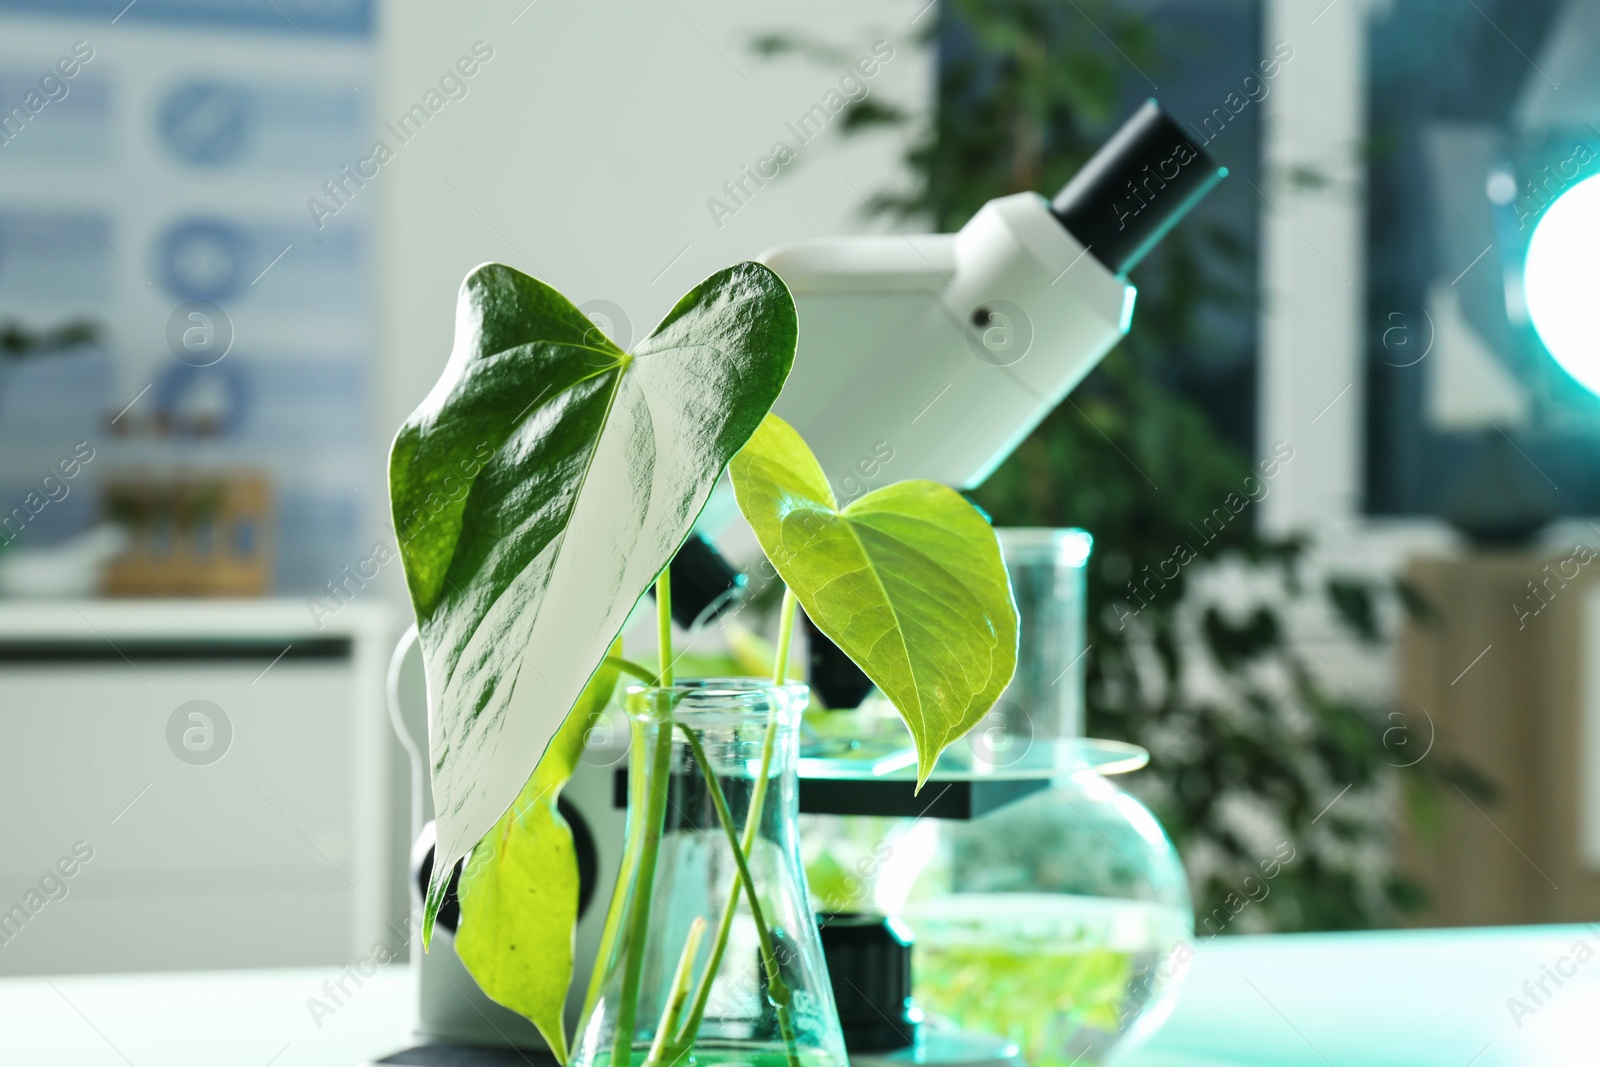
538	491
519	889
908	580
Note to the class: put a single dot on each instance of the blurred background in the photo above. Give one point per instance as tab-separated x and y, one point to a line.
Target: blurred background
231	234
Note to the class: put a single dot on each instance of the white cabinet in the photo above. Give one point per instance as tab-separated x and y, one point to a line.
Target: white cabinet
221	770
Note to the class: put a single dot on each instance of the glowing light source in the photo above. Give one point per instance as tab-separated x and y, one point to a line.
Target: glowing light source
1561	280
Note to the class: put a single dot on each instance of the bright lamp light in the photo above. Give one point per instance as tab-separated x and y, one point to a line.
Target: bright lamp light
1561	281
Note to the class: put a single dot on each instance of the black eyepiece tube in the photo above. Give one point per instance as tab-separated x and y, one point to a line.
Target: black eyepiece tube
1135	189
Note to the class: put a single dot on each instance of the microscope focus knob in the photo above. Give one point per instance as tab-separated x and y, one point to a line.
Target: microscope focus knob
449	915
869	965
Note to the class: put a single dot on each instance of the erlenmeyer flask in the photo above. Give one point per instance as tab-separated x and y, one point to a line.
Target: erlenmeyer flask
696	971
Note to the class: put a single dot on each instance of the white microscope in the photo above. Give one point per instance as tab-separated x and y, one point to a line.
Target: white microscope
923	356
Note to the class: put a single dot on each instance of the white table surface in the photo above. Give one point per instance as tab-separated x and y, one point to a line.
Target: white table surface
201	1019
1434	998
1418	999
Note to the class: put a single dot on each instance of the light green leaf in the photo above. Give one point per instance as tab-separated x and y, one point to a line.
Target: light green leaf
519	888
538	491
907	580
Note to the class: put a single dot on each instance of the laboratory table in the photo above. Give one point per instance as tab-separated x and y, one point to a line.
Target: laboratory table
1447	998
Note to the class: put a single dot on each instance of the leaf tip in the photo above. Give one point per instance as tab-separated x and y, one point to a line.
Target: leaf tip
430	909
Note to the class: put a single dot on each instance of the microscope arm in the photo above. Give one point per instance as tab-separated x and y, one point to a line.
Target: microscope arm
942	351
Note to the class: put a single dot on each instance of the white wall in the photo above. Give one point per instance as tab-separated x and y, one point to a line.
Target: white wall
1312	387
1313	278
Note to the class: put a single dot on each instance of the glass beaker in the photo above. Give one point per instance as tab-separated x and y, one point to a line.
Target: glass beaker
1045	697
714	955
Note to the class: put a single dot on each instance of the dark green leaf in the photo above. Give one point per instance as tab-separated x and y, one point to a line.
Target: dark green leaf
1352	600
538	491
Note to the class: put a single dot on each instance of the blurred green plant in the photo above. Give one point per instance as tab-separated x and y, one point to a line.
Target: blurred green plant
1250	740
18	342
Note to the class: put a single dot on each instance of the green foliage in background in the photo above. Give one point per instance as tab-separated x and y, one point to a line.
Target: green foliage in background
1250	739
19	342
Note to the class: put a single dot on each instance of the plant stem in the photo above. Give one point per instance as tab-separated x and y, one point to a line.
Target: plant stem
664	1044
619	891
650	848
643	892
777	990
780	670
639	671
752	824
664	625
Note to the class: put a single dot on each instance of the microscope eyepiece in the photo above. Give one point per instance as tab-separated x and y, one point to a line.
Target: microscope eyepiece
1135	189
